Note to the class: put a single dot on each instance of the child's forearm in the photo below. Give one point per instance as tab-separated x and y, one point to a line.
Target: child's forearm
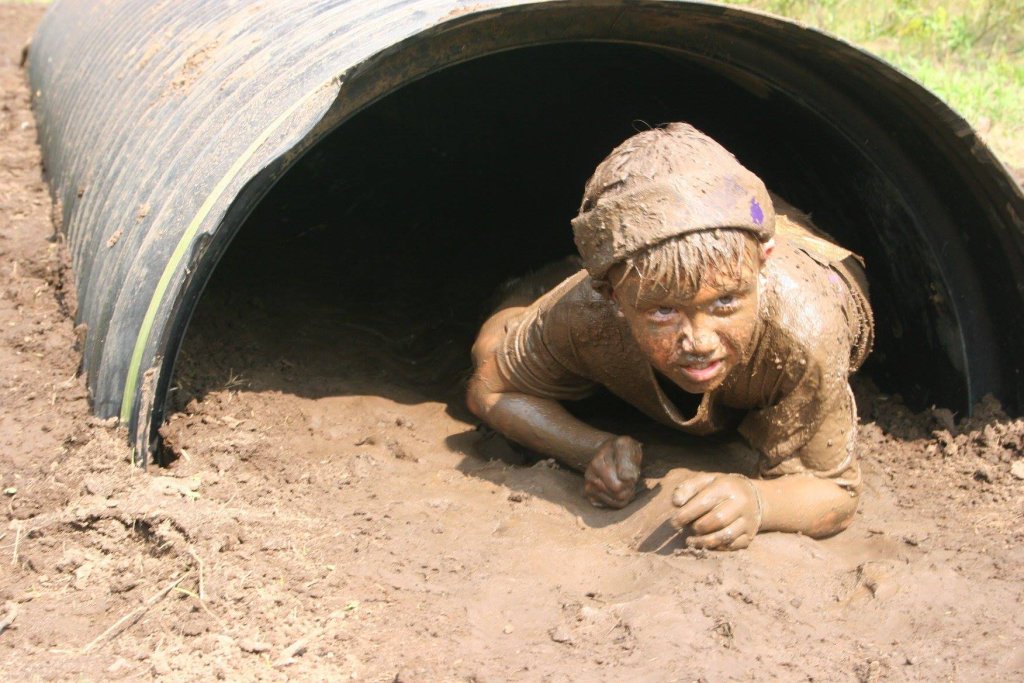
540	424
543	425
805	504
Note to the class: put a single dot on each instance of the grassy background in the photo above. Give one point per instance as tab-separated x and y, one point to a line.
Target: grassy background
968	52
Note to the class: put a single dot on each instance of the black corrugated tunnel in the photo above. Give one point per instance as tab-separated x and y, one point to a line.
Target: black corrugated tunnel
409	156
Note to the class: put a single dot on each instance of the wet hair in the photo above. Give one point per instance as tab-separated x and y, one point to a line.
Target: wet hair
682	265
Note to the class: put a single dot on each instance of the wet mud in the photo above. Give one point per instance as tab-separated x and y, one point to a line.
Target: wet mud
330	510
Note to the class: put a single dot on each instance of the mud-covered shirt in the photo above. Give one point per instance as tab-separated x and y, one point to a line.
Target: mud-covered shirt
789	396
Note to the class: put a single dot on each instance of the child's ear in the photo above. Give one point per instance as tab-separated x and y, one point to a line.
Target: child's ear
602	287
764	251
614	299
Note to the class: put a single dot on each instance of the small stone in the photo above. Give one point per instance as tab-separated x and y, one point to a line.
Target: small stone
73	559
1017	469
118	664
223	463
159	664
192	627
82	575
398	451
560	634
253	646
10	490
914	539
508	629
96	487
122	583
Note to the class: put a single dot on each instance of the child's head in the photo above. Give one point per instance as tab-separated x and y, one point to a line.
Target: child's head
675	230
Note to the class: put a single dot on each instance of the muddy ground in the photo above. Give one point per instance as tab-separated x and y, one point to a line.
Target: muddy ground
324	517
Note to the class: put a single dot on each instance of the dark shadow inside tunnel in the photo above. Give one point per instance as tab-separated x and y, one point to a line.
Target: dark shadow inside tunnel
369	266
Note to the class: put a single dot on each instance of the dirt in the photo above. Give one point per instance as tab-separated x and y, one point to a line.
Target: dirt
320	519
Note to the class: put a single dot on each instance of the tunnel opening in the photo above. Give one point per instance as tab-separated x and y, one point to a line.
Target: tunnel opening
370	265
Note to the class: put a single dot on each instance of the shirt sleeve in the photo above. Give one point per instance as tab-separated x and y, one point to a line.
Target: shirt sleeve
537	355
810	430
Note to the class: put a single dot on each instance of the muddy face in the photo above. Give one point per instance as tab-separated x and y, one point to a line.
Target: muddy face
694	341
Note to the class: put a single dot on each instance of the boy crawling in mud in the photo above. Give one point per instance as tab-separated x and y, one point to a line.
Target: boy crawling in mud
709	305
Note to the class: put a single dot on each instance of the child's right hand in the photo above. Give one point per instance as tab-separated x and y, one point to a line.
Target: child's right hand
612	476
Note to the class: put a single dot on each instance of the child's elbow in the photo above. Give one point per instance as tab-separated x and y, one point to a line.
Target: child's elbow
474	402
479	398
838	518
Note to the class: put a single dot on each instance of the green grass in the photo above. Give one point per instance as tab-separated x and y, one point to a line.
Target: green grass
968	52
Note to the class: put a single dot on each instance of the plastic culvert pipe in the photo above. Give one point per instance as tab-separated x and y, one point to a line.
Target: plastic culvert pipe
163	124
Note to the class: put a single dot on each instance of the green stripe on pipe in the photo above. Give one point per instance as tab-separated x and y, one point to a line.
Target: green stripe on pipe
132	380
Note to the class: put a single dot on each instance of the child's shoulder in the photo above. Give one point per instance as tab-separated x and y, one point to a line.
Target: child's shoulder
804	310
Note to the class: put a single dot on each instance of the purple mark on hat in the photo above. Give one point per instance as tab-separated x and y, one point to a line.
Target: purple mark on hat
756	214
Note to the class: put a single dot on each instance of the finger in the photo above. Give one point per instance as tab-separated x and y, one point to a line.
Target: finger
621	502
615	497
698	506
689	488
601	474
719	517
741	542
627	467
722	539
598	499
594	484
596	492
601	499
603	468
628	456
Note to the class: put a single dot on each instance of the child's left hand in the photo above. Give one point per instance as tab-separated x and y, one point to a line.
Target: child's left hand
724	510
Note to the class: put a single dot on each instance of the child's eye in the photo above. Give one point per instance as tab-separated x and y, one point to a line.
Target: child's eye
726	303
662	312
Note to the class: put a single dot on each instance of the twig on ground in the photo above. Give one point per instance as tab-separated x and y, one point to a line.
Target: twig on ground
202	588
12	614
132	617
204	606
289	654
17	542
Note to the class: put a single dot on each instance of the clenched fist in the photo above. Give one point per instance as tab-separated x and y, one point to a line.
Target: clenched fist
612	476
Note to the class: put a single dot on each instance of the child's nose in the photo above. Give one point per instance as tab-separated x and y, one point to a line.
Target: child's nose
699	341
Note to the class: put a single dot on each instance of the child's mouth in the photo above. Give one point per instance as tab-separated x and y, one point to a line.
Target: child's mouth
701	372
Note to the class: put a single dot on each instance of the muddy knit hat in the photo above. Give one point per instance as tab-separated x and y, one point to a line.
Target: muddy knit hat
663	183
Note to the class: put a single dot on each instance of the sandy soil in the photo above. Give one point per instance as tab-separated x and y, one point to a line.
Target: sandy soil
324	518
